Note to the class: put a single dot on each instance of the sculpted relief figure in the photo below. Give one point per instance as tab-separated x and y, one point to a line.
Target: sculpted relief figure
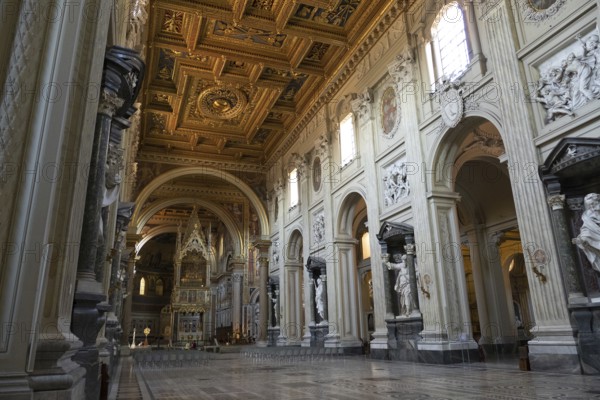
402	286
588	239
396	184
562	89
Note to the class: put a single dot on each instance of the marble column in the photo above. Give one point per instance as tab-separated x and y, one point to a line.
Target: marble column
571	278
263	268
237	278
276	313
131	241
412	274
89	299
311	298
553	346
390	293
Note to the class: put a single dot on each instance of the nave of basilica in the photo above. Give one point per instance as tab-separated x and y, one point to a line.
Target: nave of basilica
274	186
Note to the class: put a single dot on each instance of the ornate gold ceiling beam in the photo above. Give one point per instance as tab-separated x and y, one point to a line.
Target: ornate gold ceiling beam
201	150
326	4
269	99
249	57
300	52
239	9
284	13
219	66
322	35
256	72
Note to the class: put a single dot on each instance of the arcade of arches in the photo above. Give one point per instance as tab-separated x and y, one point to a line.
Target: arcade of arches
412	180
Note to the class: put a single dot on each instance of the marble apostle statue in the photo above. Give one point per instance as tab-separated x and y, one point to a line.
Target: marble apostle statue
588	239
402	286
319	299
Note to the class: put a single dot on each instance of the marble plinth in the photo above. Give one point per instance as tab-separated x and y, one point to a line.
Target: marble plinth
403	335
317	335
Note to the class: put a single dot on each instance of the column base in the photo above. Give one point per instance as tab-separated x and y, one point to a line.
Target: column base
306	339
554	353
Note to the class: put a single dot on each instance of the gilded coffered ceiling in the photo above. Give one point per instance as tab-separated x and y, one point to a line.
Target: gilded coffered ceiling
228	80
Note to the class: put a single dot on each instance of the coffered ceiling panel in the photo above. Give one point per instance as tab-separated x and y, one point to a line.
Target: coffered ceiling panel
228	80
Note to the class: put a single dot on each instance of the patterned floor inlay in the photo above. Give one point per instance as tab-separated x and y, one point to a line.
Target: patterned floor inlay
357	378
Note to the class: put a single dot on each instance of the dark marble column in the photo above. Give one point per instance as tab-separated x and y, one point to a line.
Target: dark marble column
311	297
390	293
271	301
571	278
123	69
276	306
412	274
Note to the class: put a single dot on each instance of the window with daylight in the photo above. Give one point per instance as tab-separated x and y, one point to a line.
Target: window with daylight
142	286
450	49
347	141
366	245
294	187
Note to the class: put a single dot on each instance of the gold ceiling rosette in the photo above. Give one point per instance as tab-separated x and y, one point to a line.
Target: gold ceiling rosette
221	102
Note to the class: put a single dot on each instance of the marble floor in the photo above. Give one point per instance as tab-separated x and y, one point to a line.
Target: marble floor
234	376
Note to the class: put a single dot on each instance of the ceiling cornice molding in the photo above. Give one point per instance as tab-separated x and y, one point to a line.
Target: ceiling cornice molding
177	160
332	85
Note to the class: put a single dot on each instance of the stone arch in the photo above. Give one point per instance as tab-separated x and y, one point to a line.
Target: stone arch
183	171
154	232
294	244
346	211
445	150
147	213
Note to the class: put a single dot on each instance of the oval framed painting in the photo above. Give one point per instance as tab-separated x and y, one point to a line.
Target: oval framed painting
389	112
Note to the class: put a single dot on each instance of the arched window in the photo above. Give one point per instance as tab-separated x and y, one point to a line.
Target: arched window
366	245
293	187
450	56
347	141
142	286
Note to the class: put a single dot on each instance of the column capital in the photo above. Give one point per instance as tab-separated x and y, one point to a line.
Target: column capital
556	201
109	102
361	103
131	239
402	69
